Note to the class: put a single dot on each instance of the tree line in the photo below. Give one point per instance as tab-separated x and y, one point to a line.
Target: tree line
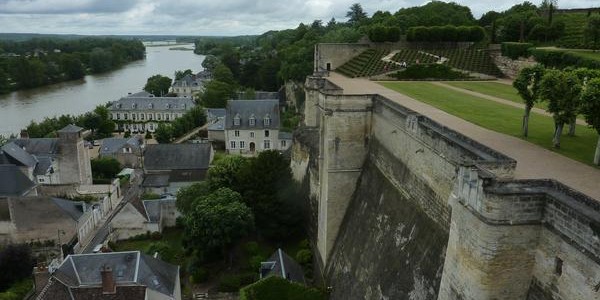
39	62
98	121
568	93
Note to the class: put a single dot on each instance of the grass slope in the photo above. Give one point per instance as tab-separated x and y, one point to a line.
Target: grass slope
500	90
500	118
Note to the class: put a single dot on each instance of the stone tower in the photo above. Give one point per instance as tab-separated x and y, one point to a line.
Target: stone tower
74	159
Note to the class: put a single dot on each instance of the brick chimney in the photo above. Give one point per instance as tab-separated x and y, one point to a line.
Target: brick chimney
108	281
40	277
24	134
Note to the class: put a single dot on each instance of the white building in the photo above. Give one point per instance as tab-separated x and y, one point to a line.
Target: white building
252	126
142	112
190	84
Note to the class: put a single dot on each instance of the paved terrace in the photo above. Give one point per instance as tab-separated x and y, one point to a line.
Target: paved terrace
533	162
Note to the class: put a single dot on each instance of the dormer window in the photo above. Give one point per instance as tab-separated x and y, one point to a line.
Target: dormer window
118	105
150	105
267	120
133	105
252	120
168	105
236	120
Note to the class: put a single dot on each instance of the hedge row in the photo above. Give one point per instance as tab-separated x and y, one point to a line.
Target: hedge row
446	33
429	71
381	34
515	50
563	59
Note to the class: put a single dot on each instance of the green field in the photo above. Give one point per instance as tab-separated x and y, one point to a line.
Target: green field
501	118
495	89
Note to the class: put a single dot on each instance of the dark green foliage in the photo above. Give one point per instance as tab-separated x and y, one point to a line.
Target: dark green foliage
16	264
198	273
435	13
446	33
255	261
276	288
515	50
592	31
251	248
180	74
163	133
380	33
356	15
368	63
98	121
210	62
429	71
562	59
148	135
223	74
158	85
187	196
105	167
18	290
590	104
164	250
304	257
216	93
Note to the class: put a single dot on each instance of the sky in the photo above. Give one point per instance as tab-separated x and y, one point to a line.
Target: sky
200	17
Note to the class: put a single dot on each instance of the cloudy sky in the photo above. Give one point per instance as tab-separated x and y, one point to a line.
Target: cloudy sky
198	17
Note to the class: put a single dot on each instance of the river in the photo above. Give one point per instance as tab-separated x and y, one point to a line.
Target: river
18	108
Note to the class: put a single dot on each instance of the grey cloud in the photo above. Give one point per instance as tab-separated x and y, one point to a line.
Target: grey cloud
64	6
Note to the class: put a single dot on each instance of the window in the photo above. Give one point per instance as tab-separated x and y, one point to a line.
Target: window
252	120
232	144
118	116
133	116
236	120
283	144
151	126
236	133
266	133
142	116
252	134
558	266
41	180
267	144
167	117
126	150
267	121
125	116
242	145
149	116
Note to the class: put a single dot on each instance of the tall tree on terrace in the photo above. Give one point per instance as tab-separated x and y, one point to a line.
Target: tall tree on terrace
527	84
590	108
158	85
562	91
356	14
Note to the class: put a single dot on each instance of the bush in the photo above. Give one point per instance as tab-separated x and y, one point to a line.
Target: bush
198	274
304	244
230	283
150	196
515	50
379	34
148	135
274	287
251	248
448	33
157	236
255	261
164	250
429	71
562	59
304	257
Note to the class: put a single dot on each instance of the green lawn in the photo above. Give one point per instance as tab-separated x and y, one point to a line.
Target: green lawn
501	118
586	53
495	89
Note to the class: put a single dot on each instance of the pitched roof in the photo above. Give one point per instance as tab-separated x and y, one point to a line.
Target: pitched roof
112	145
190	80
156	180
30	213
43	165
140	94
18	154
129	268
245	109
177	156
71	128
153	207
154	103
282	265
38	146
13	182
285	135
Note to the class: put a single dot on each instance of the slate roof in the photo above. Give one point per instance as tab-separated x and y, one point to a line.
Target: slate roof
188	81
248	108
129	268
43	165
216	118
71	128
177	156
13	182
30	213
156	180
152	208
179	104
141	94
41	146
18	154
285	135
112	145
282	265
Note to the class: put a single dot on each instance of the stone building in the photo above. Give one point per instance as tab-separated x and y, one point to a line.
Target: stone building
115	276
128	151
215	117
252	126
137	113
142	216
190	84
51	161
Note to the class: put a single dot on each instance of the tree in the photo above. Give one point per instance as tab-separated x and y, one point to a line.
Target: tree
163	133
356	15
215	94
187	196
223	73
164	250
217	221
210	62
592	31
16	264
72	67
527	84
4	83
180	74
105	167
226	172
562	91
100	60
590	108
158	85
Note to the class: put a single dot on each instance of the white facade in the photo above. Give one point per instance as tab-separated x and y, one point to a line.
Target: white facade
250	141
141	114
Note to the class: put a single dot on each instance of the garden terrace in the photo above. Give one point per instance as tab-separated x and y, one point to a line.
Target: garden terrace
368	63
573	36
411	56
474	60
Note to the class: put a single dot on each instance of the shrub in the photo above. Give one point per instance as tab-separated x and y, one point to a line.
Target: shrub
198	273
156	236
379	34
255	261
562	59
251	248
429	71
274	287
127	134
304	244
148	135
230	283
150	196
515	50
304	257
448	33
165	251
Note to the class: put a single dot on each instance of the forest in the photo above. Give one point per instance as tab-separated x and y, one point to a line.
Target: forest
38	62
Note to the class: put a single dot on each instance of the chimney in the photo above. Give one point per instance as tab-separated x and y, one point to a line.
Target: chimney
108	281
40	278
24	134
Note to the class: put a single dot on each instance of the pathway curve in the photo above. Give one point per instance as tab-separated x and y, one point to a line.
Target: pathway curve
500	100
190	134
533	162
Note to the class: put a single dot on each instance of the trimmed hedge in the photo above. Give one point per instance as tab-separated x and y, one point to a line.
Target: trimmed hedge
429	71
562	59
446	33
515	50
277	288
379	34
